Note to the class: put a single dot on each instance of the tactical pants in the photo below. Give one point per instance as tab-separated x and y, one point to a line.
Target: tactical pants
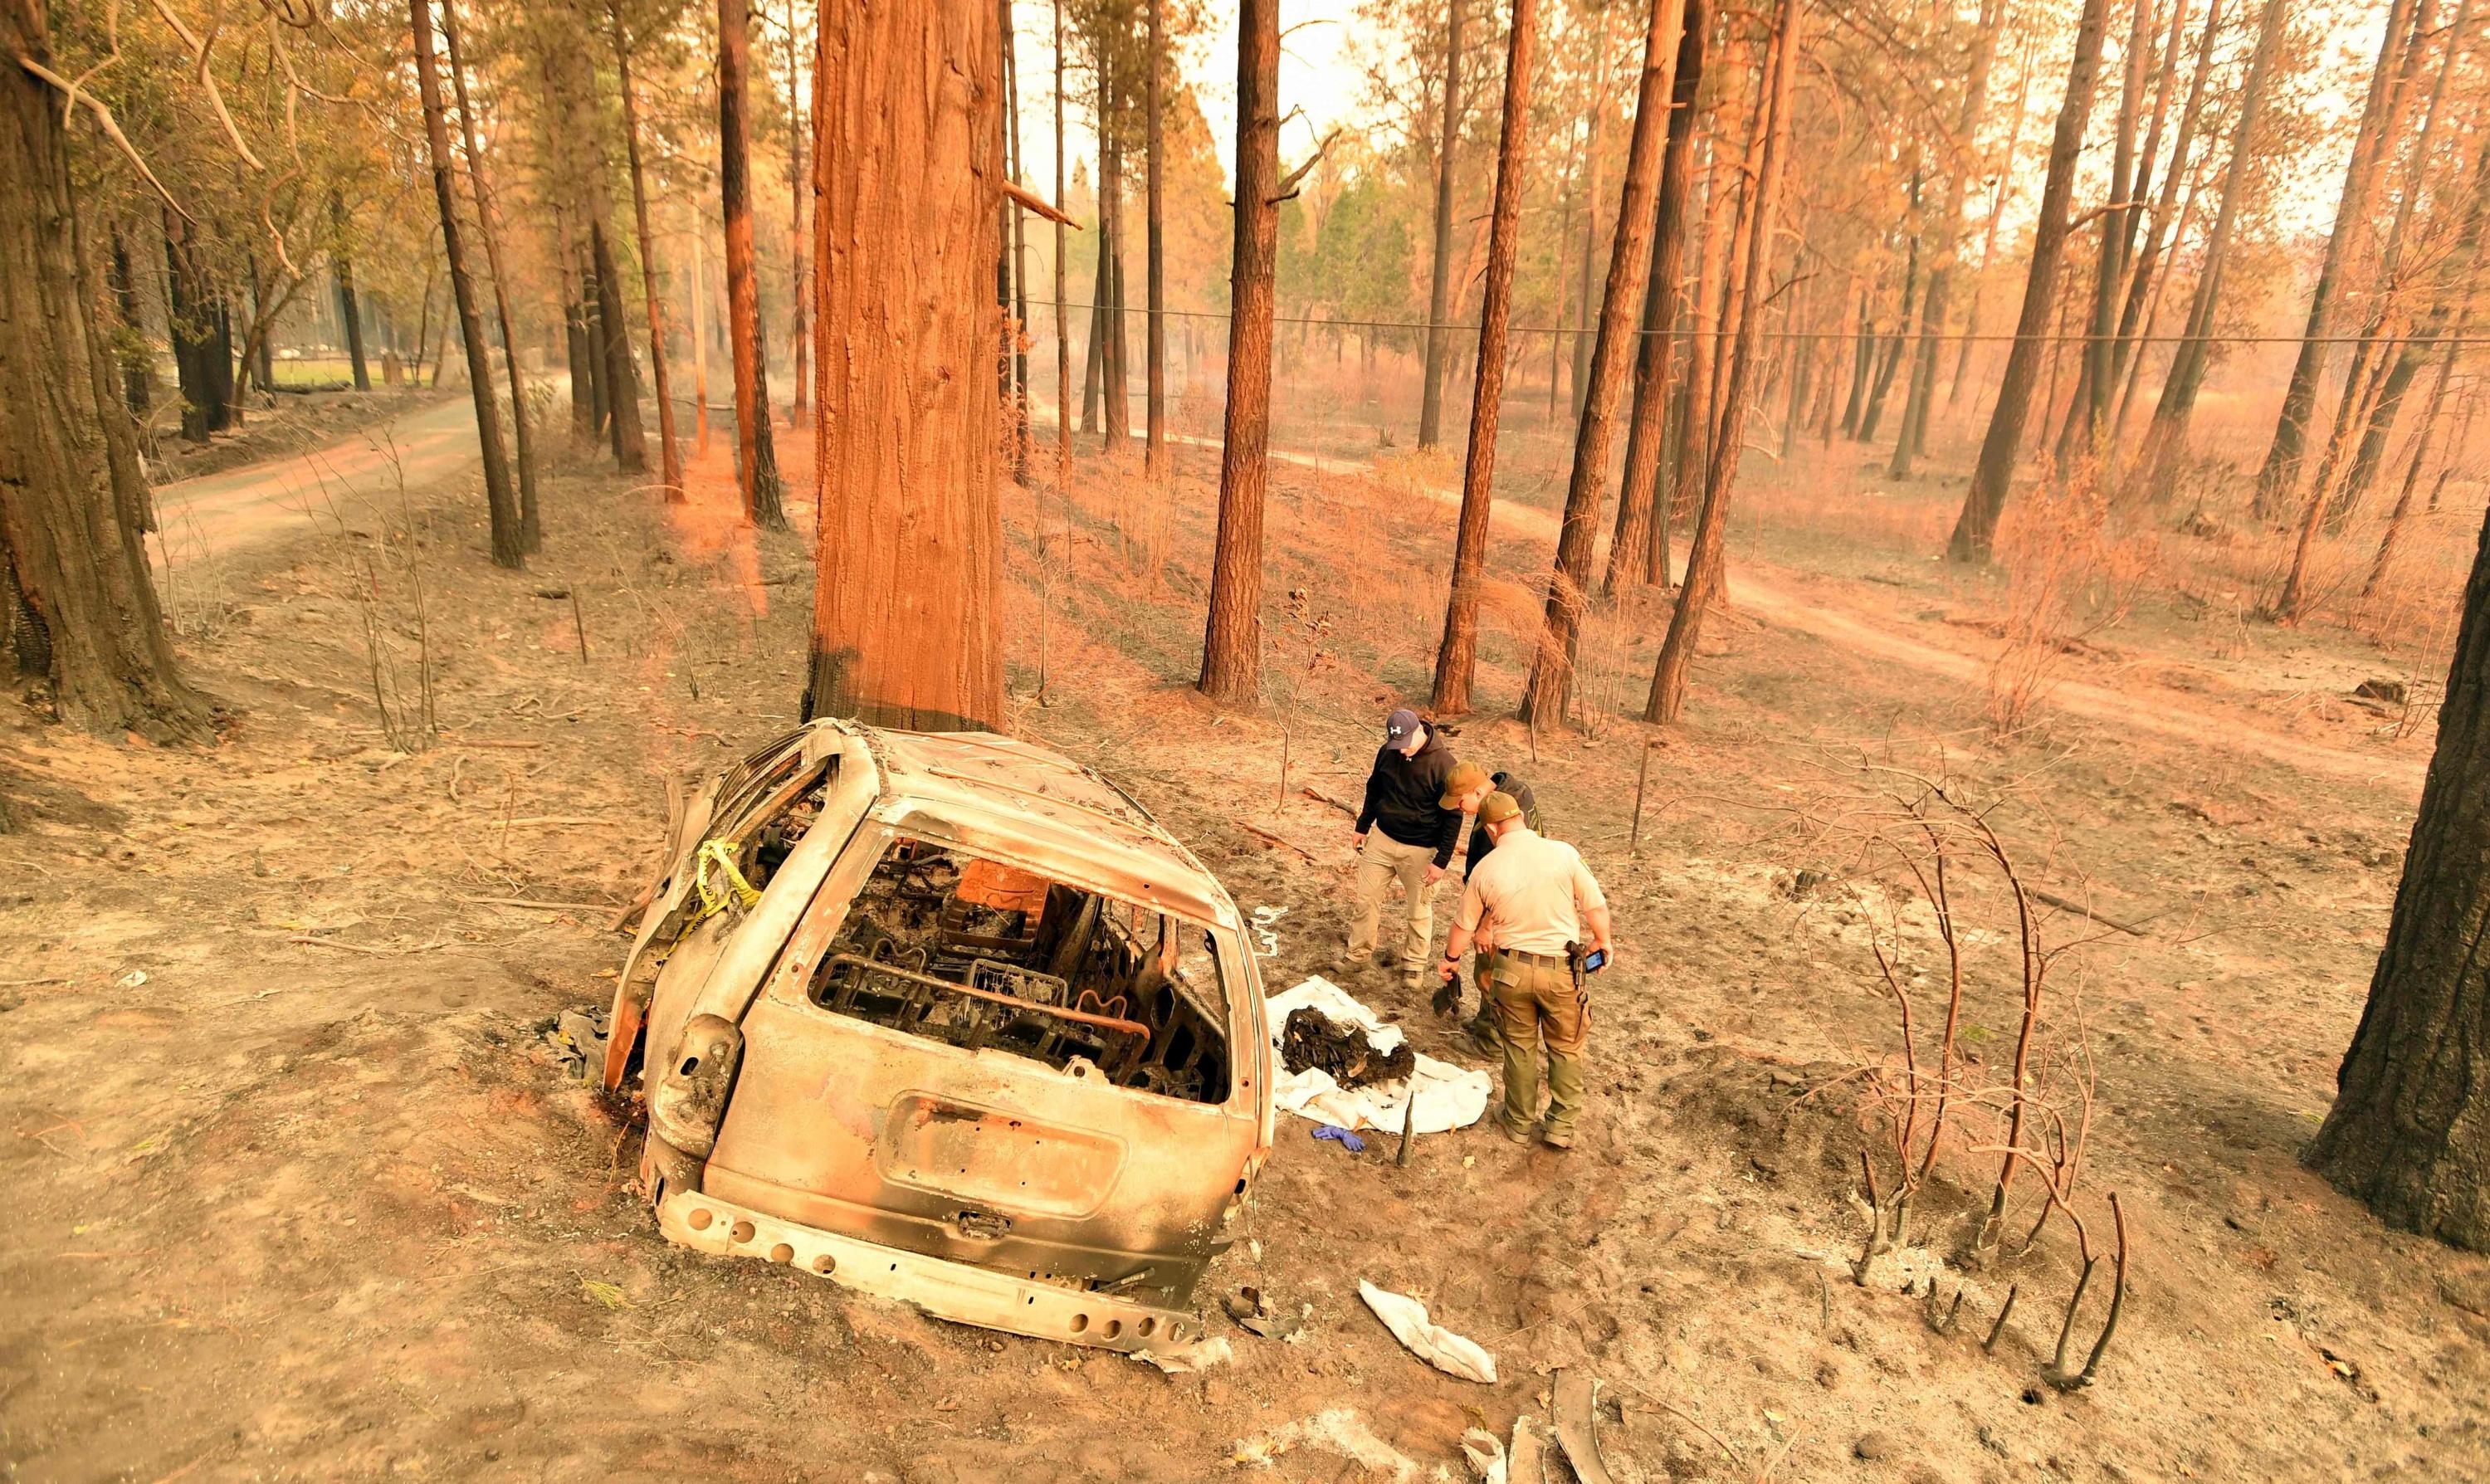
1537	1001
1382	861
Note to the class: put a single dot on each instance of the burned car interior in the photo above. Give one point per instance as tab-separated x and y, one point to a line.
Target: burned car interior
979	954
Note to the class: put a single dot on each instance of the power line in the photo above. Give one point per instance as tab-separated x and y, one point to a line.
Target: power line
1907	332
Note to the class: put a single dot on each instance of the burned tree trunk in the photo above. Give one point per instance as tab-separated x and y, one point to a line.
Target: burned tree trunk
1919	392
1232	645
531	521
1456	657
907	113
2167	434
129	340
2001	448
1062	324
799	273
1154	445
2410	1130
1430	405
2144	285
69	493
2280	472
1703	561
756	463
670	453
350	309
1642	520
1549	693
508	547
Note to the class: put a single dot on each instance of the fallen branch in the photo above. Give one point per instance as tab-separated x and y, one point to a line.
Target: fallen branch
1319	796
556	821
536	906
359	948
2086	913
1260	833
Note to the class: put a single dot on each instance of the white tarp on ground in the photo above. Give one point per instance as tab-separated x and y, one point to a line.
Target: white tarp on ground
1448	1096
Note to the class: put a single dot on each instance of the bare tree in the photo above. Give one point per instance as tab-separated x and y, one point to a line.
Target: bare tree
756	465
1154	447
799	273
1548	695
2168	432
509	547
1703	561
2003	446
350	308
670	453
2280	472
1232	646
1456	657
1431	407
530	520
1920	392
1638	552
1062	329
908	117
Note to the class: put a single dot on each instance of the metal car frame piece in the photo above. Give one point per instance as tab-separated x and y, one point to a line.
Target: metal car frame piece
976	1180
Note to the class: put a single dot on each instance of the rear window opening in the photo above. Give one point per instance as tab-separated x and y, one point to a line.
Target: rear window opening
982	955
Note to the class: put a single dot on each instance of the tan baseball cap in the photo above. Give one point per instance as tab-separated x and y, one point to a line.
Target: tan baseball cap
1498	807
1466	776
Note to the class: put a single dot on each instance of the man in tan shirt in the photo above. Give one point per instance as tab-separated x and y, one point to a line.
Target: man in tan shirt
1534	906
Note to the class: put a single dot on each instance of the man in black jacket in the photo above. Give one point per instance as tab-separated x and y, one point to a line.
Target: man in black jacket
1403	832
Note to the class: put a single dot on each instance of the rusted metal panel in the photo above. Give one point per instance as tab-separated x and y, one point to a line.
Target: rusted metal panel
954	1290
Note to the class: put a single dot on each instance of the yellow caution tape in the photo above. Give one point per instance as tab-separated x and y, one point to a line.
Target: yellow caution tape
734	889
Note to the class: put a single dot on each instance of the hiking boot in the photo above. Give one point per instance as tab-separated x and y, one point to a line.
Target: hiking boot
1483	1033
1510	1130
1557	1138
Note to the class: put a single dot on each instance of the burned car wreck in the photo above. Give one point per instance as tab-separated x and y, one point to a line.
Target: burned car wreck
948	1019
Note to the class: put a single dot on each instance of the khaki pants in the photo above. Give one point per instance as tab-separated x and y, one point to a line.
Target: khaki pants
1537	1001
1378	865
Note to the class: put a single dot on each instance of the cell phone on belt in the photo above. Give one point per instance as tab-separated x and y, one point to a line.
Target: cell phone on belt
1594	961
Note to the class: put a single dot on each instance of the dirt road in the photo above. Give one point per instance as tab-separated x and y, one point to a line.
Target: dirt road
219	513
1764	591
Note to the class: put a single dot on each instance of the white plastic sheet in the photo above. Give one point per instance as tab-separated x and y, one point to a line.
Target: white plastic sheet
1447	1096
1449	1352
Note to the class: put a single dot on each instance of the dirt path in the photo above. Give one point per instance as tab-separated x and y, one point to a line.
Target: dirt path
219	513
1762	591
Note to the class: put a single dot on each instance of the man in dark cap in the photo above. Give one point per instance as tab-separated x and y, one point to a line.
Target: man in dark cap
1405	832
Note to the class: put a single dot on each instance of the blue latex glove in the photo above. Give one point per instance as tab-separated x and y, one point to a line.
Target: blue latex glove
1342	1137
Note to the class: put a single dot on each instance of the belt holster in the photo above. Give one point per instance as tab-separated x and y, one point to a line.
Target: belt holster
1574	965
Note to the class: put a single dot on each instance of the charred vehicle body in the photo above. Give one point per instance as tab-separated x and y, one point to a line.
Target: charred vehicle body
951	1020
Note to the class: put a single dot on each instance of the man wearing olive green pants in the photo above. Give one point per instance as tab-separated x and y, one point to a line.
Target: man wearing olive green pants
1536	905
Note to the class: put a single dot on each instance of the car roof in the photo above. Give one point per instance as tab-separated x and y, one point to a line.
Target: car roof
1044	810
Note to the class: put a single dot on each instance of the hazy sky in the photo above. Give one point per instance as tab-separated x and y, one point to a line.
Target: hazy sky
1316	77
1323	85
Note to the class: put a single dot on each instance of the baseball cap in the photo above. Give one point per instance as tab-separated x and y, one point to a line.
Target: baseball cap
1464	777
1399	727
1498	807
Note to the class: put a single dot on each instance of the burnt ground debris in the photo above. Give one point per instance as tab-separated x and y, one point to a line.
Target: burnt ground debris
320	1166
